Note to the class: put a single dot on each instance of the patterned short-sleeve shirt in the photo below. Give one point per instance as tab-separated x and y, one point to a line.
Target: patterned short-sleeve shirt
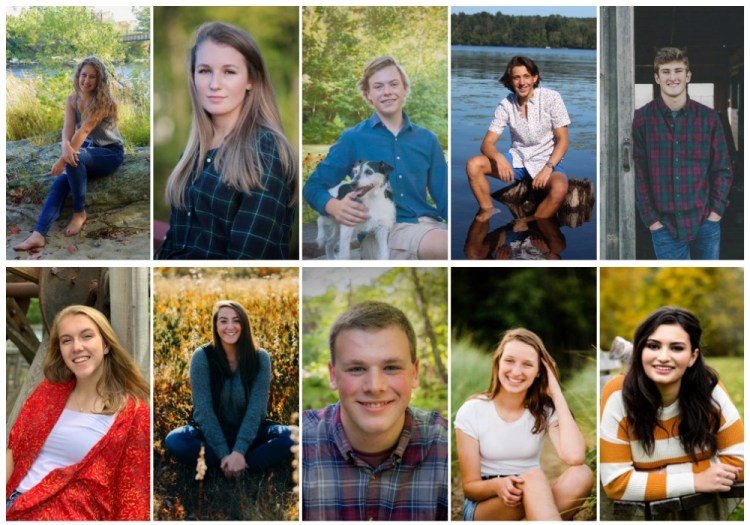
532	137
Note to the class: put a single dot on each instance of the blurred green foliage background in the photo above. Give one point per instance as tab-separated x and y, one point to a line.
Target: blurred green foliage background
421	293
715	295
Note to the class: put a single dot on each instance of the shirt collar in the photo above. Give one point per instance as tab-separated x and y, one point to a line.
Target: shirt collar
666	110
374	121
533	100
409	434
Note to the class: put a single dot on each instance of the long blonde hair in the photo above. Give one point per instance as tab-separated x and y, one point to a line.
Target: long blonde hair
102	105
238	159
121	377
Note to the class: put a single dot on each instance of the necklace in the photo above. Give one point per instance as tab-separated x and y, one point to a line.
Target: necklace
80	408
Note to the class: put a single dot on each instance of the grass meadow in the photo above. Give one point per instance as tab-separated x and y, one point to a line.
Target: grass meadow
35	109
182	322
470	374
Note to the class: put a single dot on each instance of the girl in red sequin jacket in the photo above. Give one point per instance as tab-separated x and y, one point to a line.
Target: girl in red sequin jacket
80	448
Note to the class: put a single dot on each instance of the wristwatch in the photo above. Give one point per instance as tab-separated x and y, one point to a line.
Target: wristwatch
549	165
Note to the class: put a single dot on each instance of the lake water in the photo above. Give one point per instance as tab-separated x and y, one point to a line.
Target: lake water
123	71
476	93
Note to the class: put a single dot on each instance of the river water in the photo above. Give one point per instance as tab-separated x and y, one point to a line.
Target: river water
475	94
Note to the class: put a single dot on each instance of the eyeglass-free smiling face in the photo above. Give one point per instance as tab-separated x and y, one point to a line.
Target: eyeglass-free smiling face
82	347
673	78
666	357
374	376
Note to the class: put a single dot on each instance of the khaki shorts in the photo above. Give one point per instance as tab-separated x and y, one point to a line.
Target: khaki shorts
404	239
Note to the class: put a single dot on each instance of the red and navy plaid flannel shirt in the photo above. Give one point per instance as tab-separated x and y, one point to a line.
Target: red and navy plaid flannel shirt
411	485
682	167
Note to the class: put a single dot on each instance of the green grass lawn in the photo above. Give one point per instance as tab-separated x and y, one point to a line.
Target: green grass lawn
731	372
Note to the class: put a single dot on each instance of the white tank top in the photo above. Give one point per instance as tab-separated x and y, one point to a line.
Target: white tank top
72	437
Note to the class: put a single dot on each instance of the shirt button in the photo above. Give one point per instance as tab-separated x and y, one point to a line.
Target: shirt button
189	214
208	160
398	158
402	194
400	176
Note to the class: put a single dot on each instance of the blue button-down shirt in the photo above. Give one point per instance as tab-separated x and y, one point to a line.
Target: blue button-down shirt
415	154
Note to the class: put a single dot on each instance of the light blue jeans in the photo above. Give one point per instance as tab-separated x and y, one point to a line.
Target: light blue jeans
705	246
92	162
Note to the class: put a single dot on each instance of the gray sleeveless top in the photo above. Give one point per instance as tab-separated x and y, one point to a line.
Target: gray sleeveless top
104	134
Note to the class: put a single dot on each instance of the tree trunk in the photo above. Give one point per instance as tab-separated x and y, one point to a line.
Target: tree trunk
421	306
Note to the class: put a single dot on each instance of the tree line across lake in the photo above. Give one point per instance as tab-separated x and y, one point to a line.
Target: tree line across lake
554	31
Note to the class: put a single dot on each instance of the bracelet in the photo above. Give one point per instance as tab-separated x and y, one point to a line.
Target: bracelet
549	165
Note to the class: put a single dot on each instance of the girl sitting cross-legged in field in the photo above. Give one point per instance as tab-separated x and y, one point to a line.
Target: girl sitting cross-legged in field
668	427
81	446
231	380
499	435
91	147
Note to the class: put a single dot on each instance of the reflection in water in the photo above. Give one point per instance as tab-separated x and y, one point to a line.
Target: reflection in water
475	93
538	239
527	237
576	209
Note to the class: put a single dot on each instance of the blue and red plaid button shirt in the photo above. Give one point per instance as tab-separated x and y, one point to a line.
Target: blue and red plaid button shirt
411	485
682	167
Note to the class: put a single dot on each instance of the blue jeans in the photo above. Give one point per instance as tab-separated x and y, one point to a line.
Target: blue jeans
705	246
92	162
272	446
12	499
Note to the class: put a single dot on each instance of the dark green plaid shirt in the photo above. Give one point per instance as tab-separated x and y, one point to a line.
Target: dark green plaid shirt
222	223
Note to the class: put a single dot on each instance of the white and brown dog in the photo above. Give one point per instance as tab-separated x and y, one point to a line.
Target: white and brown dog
369	182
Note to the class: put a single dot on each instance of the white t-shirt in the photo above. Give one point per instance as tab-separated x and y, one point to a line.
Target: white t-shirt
504	448
72	437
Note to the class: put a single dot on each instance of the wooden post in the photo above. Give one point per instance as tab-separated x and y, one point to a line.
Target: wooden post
617	173
130	311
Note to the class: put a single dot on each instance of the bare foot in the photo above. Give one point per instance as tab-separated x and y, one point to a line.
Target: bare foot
484	214
76	224
33	241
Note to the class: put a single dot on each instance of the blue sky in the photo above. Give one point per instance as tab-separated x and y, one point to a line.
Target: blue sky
580	11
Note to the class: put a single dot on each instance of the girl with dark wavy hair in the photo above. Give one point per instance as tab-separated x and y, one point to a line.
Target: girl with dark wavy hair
668	426
499	435
231	381
91	147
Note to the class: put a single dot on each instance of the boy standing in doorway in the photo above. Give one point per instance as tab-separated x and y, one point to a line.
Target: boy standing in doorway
682	166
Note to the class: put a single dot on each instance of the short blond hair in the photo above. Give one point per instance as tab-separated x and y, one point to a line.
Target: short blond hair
666	55
375	65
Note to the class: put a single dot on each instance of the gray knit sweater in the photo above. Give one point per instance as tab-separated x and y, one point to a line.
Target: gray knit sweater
246	417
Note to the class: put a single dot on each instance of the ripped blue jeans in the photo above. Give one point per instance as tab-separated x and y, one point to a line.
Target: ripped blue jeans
92	162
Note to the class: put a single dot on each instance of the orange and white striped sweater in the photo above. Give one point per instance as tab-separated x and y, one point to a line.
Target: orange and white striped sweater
628	473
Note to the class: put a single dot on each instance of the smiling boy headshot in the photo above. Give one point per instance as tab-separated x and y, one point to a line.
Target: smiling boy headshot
371	456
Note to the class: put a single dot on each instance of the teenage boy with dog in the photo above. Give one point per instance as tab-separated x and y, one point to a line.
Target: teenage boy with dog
371	456
683	171
415	154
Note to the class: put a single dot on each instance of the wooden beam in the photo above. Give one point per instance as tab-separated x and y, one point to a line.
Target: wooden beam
19	331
